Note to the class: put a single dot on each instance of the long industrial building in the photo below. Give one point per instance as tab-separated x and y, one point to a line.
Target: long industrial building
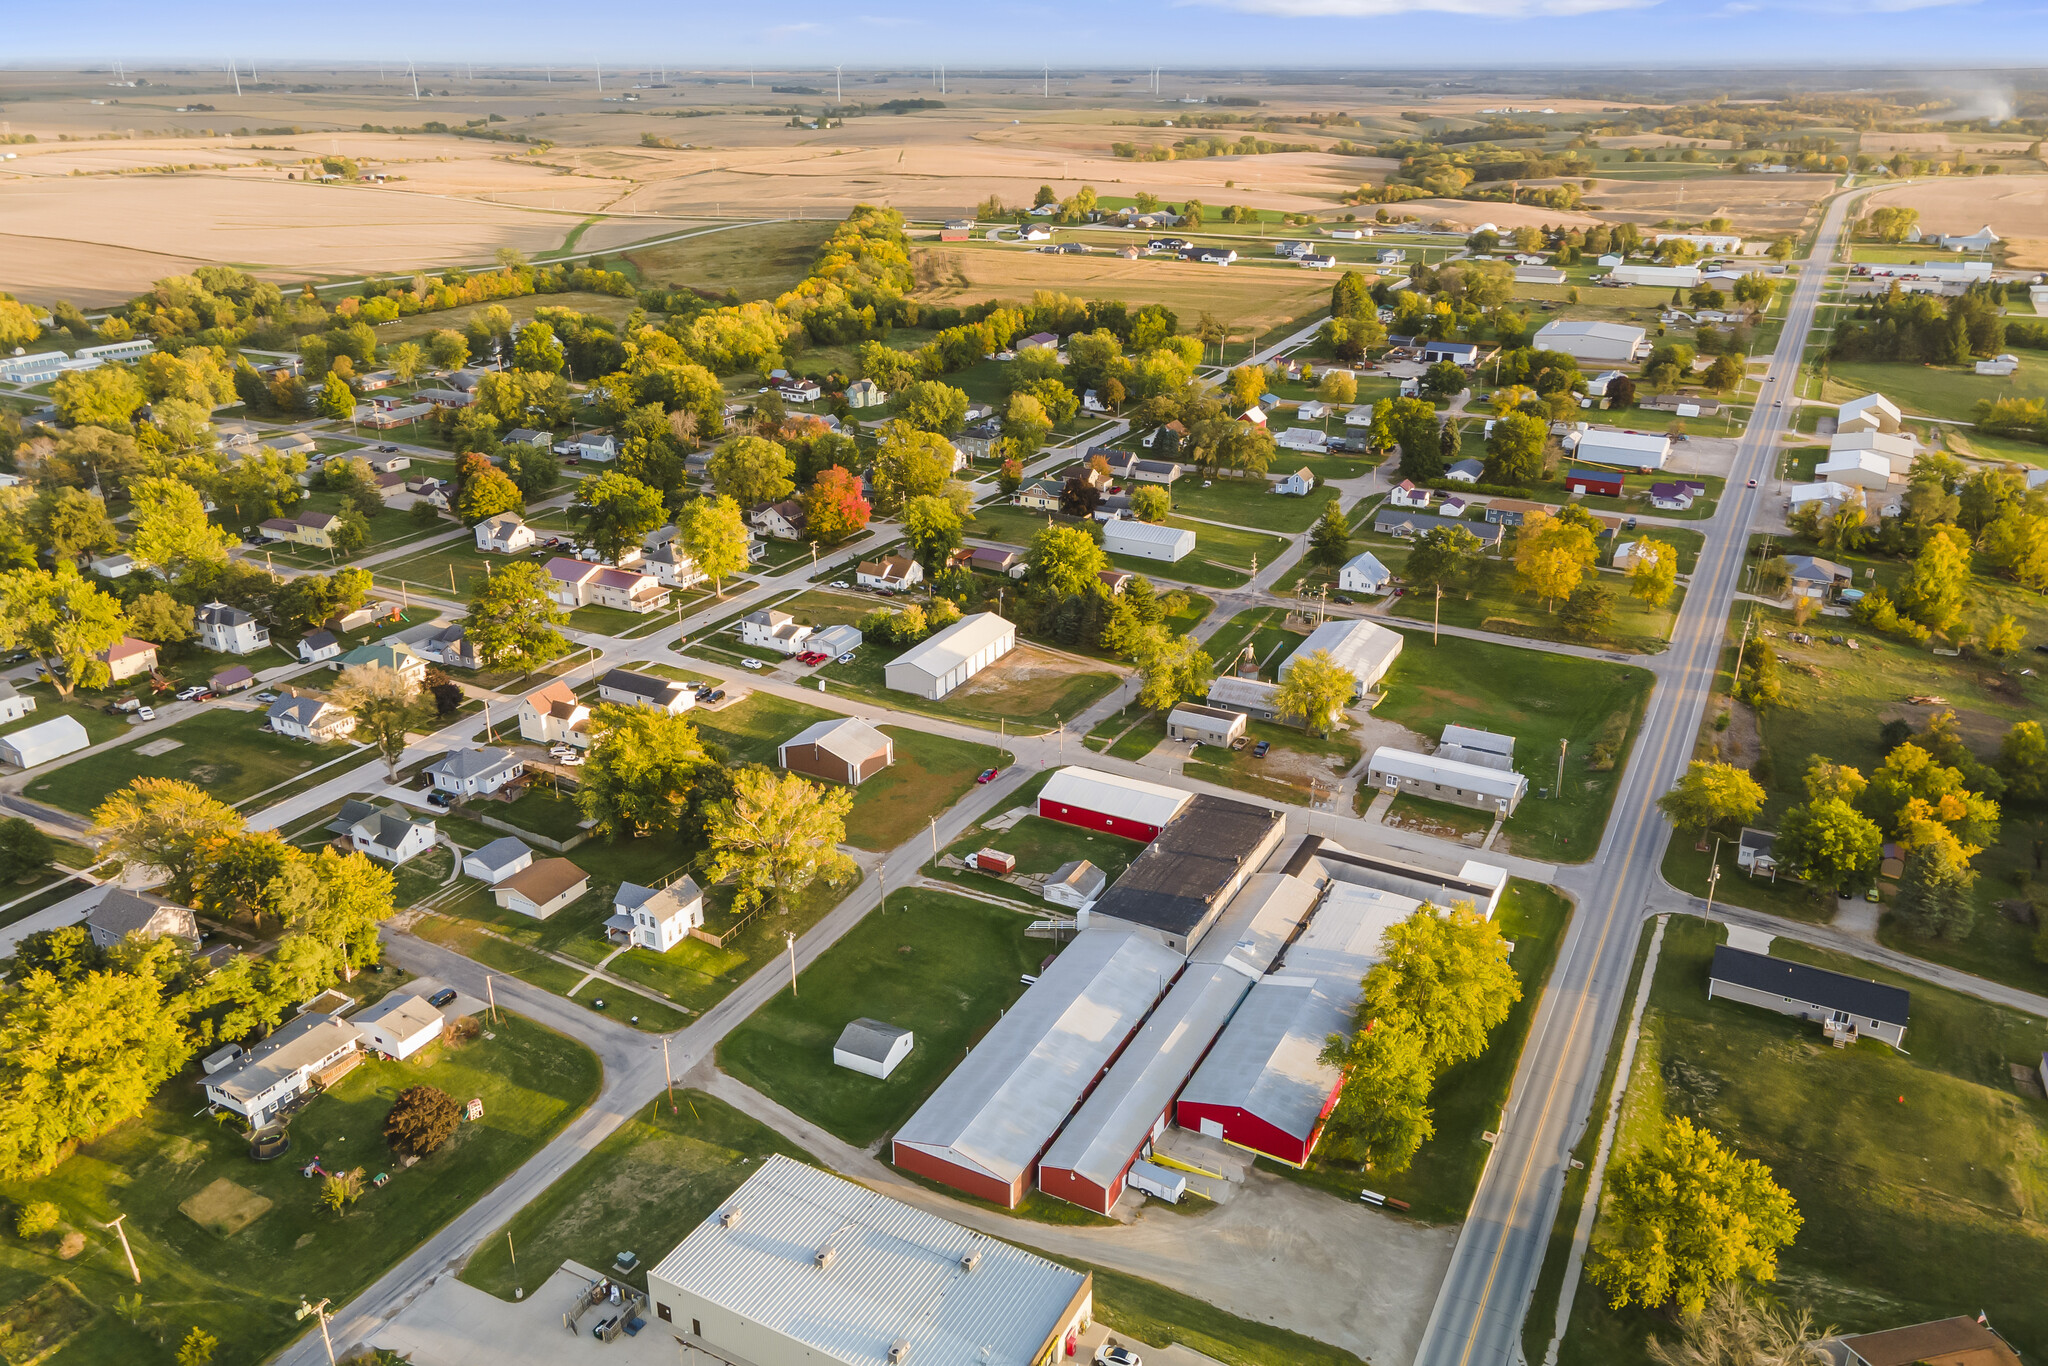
1110	802
1089	1161
1480	884
1176	888
984	1128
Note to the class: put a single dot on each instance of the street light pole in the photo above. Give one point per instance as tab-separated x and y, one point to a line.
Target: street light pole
790	936
319	1310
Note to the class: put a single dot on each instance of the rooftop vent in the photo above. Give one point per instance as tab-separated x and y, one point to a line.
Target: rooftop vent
825	1257
731	1218
899	1351
970	1260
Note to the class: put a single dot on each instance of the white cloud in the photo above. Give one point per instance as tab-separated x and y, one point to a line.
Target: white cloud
781	30
1378	9
887	20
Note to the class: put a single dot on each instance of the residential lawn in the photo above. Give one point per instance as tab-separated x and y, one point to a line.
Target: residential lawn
1540	699
650	1182
944	967
540	809
1468	1100
613	621
1951	391
1030	688
1154	1314
1494	604
1976	445
1635	499
1917	1177
219	750
753	729
538	970
1139	740
85	706
455	569
1299	768
1249	502
1222	556
697	975
245	1287
831	607
931	773
1684	540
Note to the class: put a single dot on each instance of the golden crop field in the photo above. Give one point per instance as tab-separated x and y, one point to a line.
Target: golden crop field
2016	207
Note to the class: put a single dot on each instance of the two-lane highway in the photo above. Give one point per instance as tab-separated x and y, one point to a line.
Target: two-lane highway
1478	1316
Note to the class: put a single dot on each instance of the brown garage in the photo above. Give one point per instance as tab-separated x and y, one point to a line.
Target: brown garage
844	750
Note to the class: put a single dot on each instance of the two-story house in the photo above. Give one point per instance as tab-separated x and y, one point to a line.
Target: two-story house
768	629
581	583
655	918
228	630
475	772
551	715
392	835
283	1067
507	534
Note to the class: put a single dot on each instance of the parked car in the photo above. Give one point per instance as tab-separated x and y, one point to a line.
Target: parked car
441	997
752	664
1108	1354
988	775
1752	483
265	697
440	798
847	658
387	450
145	713
1259	750
717	696
1341	599
189	694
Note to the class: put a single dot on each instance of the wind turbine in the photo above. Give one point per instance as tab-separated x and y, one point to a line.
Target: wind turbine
235	69
1048	82
838	93
599	68
414	72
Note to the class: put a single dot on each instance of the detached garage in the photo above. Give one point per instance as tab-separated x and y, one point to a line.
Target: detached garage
844	749
40	743
1147	540
951	657
1109	802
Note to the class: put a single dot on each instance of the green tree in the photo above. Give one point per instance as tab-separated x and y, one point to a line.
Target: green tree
1828	842
158	616
751	470
386	705
1937	589
1760	684
1445	557
1710	794
77	1058
1316	690
615	512
2022	762
106	397
1064	561
62	619
910	463
1350	298
1150	503
533	470
714	534
350	532
234	873
171	532
932	526
1383	1113
335	399
641	772
513	625
162	823
1447	975
1329	540
537	349
421	1120
37	1218
73	523
1551	556
1025	423
448	349
1338	386
1514	452
776	836
1686	1217
24	850
1175	668
932	406
483	491
1934	891
406	360
2004	635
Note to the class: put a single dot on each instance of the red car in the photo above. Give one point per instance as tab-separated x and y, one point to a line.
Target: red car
988	775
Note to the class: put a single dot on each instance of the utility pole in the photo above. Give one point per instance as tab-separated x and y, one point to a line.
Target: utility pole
1713	877
1436	614
1562	746
133	1270
491	989
1741	646
790	935
671	1075
935	839
320	1309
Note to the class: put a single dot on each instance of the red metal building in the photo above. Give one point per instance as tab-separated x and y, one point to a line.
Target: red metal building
1109	802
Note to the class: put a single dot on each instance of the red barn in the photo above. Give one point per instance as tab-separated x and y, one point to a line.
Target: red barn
1607	483
1109	802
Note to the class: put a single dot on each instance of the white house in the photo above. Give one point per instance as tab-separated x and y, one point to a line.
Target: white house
120	913
893	572
655	918
507	534
1629	554
228	630
1446	780
1611	446
318	646
769	629
952	656
785	521
451	646
1406	495
552	715
645	690
1364	574
1601	343
579	583
475	772
1302	439
391	836
498	860
1147	540
865	393
540	889
1826	493
1871	413
871	1047
283	1066
399	1026
1299	484
129	657
597	446
310	718
13	704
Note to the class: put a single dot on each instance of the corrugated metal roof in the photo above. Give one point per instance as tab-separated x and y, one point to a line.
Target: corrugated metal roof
1117	1117
1114	794
897	1274
1000	1107
1367	650
1258	922
1267	1062
1434	768
957	644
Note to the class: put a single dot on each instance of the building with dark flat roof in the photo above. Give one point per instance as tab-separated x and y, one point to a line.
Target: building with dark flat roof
1174	890
1846	1007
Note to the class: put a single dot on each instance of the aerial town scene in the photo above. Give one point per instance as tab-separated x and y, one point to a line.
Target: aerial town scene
702	690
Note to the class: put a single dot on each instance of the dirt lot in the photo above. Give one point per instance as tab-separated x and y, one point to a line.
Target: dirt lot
1757	205
1027	678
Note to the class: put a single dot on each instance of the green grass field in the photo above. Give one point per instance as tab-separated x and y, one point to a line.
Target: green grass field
245	1287
647	1184
218	750
1248	502
944	967
1935	391
1039	846
1468	1099
1540	699
1494	604
931	773
1918	1175
1298	767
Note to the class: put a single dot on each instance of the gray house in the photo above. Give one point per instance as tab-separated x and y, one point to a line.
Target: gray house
1847	1008
121	913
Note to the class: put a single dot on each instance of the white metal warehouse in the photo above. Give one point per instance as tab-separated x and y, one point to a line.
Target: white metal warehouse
1147	540
1365	649
950	658
800	1267
1605	343
42	742
982	1131
1637	450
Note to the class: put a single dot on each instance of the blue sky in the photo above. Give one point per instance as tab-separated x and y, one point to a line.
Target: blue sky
1368	34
